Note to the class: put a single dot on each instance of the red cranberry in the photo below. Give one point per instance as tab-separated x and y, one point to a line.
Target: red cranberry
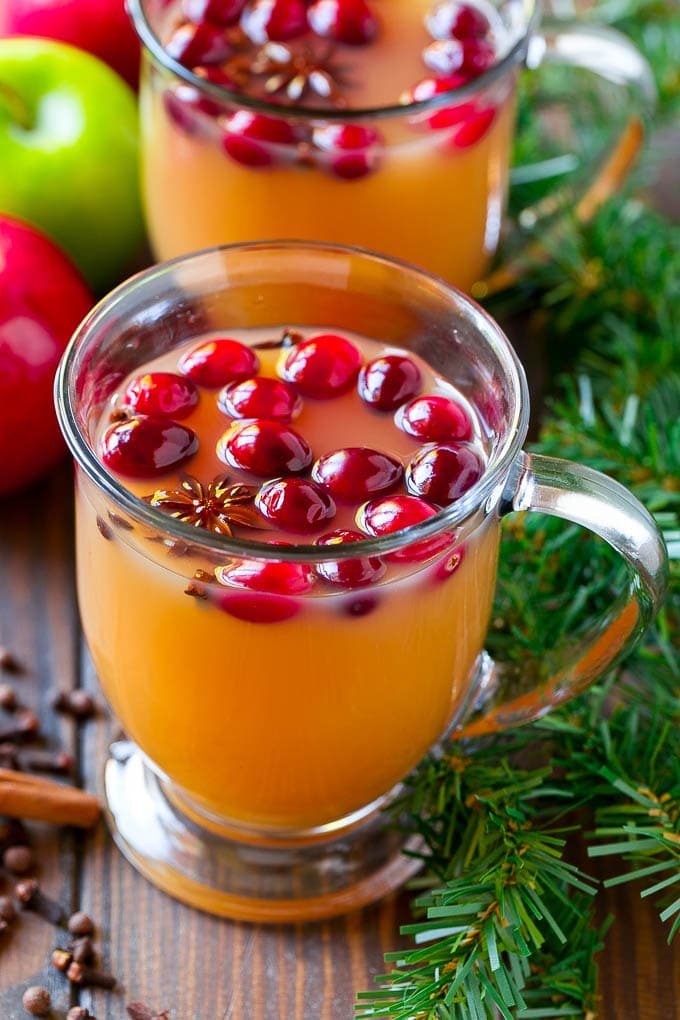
474	127
434	420
458	20
220	12
354	573
323	366
446	116
260	397
265	448
275	577
248	137
269	587
347	21
387	382
295	504
193	44
478	56
443	474
357	473
353	149
385	516
254	608
161	393
274	20
449	565
217	362
147	446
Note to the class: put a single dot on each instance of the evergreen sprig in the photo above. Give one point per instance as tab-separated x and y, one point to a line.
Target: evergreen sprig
505	925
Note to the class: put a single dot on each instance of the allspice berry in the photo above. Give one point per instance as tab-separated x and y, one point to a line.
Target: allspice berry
18	859
8	697
79	1013
37	1000
80	923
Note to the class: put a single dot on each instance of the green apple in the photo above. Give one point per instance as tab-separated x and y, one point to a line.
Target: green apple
69	154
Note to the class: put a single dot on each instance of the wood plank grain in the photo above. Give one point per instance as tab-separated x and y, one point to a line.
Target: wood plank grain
38	622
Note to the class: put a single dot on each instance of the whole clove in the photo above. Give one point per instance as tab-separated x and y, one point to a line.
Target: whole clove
39	760
84	976
61	959
12	833
138	1011
31	897
77	703
24	725
82	950
9	755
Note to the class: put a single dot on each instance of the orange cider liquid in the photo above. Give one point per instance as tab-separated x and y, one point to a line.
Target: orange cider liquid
429	189
294	722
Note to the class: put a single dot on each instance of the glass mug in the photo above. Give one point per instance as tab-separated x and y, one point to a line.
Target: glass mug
264	752
437	197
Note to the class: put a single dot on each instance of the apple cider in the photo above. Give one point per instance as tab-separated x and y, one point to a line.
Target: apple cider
345	135
278	686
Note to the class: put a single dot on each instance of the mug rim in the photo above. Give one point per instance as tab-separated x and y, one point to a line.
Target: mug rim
515	56
483	494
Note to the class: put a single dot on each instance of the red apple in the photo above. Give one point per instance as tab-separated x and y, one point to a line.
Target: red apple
101	27
42	300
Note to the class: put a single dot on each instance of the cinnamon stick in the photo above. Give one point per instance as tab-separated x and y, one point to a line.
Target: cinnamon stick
33	797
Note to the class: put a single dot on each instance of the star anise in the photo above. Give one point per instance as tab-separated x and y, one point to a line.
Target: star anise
217	506
295	74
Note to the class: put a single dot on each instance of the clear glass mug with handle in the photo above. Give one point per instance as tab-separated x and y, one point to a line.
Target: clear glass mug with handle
436	191
262	750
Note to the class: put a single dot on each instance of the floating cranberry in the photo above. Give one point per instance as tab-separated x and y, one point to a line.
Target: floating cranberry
446	116
265	448
347	21
260	397
254	608
274	20
220	12
151	445
353	150
275	577
188	106
387	382
217	362
269	586
161	393
449	565
452	19
350	573
444	473
434	420
385	516
478	56
474	127
248	137
295	504
323	366
192	44
357	473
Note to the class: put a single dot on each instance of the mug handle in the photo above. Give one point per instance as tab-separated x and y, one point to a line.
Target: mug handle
611	56
586	497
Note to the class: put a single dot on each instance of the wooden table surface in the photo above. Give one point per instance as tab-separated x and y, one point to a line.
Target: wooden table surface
166	954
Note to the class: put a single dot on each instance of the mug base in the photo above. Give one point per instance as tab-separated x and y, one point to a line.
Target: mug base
268	880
